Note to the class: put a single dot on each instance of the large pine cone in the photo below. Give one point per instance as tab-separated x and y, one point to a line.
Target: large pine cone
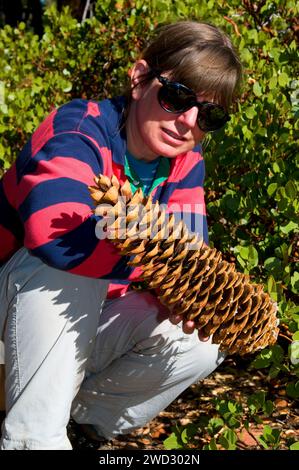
189	278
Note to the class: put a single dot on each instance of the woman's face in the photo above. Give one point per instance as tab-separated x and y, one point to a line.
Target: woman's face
151	131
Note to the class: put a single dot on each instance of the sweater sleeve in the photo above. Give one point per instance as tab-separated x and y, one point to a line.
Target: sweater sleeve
56	209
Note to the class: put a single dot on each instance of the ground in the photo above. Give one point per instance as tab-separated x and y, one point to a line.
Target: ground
232	380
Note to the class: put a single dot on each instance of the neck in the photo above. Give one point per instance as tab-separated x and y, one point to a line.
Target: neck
135	144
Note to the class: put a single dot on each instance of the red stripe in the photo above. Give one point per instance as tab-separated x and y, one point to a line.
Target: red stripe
187	200
43	133
118	171
107	161
116	290
58	167
135	274
100	262
53	222
9	244
182	165
93	109
10	185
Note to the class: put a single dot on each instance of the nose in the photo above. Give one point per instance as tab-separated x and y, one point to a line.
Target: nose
188	118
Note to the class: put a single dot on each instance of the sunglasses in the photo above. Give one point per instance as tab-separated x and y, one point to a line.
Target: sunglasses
176	98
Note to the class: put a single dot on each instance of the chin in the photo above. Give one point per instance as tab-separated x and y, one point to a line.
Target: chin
165	150
170	152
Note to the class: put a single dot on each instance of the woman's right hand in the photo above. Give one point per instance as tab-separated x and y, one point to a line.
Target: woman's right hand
188	326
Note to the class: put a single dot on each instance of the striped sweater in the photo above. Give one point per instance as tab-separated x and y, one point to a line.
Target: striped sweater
45	203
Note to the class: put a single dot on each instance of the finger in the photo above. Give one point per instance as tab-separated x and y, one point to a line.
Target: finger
188	327
202	337
175	319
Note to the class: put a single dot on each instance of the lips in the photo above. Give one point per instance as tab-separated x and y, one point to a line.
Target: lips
174	135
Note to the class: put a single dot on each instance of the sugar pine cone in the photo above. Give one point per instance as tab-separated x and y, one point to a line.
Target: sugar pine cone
189	277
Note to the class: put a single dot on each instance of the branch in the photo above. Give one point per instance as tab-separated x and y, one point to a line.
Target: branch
234	25
285	337
87	6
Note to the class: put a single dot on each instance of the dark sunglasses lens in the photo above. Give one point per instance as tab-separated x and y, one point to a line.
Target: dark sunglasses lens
176	98
173	99
211	117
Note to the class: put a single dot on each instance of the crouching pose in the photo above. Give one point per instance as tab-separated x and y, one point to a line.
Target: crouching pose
77	340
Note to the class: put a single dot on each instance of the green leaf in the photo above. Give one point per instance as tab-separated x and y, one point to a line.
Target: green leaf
295	282
270	437
274	266
283	79
292	389
256	400
291	190
257	89
253	256
244	252
250	112
22	26
272	288
215	424
233	422
188	433
295	446
276	168
228	439
184	436
67	87
290	227
271	189
294	351
277	354
269	407
212	445
273	82
263	442
232	407
172	442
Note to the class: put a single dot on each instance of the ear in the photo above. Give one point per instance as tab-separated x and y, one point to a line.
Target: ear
140	69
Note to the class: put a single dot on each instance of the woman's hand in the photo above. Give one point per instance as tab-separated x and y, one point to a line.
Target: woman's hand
188	326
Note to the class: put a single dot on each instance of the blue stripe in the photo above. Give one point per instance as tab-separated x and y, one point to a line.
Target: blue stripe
68	146
69	116
71	249
121	282
106	128
163	193
52	192
120	270
195	177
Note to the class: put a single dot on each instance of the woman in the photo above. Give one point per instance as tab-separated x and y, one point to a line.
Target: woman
112	365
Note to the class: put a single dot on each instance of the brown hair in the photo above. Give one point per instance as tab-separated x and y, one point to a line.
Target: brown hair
198	55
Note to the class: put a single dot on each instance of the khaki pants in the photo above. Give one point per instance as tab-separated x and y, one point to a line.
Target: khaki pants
114	366
2	378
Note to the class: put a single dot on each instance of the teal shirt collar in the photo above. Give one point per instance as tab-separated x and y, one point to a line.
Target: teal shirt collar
162	174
